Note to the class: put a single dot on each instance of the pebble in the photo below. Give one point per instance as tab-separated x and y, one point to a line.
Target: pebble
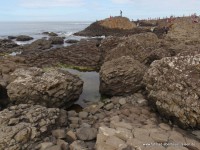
83	114
59	133
44	145
109	106
122	101
74	120
72	135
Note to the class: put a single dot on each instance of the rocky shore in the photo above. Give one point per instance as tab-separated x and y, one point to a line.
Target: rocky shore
149	83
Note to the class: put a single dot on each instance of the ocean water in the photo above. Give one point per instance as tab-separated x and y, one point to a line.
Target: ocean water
35	28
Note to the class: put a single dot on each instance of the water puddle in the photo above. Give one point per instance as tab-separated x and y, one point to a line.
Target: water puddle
90	86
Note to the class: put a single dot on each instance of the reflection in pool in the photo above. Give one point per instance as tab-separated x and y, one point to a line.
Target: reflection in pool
90	86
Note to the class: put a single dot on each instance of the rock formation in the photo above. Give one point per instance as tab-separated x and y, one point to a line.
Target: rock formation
24	38
22	126
51	88
117	23
121	76
173	87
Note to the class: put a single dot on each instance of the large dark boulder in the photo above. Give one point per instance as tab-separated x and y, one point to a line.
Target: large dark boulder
51	88
121	76
56	40
173	88
24	38
50	33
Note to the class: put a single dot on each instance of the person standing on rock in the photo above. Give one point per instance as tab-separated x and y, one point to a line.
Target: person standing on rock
120	13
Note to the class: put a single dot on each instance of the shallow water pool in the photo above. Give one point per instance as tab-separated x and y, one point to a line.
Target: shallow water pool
90	86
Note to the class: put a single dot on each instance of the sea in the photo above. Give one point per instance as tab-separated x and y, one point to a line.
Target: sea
35	29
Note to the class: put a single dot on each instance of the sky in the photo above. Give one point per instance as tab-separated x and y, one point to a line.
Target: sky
92	10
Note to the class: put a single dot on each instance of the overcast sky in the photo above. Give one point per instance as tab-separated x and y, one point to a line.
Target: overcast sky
91	10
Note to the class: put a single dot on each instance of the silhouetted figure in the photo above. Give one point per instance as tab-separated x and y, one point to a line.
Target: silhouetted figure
166	29
120	13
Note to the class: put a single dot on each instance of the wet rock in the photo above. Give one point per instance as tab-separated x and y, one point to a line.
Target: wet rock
36	46
86	133
50	33
52	88
24	38
70	41
121	76
56	40
173	87
27	132
11	37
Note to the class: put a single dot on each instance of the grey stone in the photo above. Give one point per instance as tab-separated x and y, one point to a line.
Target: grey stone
124	134
83	114
74	120
78	145
115	142
45	145
109	106
72	135
122	125
59	133
122	101
72	113
55	147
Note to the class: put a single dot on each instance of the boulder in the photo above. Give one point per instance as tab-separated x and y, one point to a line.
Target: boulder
11	37
173	88
71	41
7	66
121	76
51	88
24	38
144	47
32	126
56	40
50	33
